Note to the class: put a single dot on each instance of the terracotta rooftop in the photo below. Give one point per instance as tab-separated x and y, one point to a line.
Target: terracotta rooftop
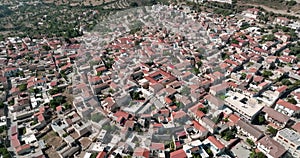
141	152
288	105
178	154
157	146
216	142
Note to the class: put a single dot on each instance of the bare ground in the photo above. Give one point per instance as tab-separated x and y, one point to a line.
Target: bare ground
54	141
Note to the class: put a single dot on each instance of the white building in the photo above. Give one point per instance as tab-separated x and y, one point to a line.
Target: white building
270	147
246	106
287	108
290	140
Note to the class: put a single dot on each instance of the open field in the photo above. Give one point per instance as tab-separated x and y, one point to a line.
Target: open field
274	4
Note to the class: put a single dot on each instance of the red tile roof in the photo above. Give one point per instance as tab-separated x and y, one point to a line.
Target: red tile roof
198	126
178	114
100	69
59	108
14	130
23	147
168	100
157	125
216	142
129	124
288	105
141	152
233	118
200	114
121	114
15	142
157	146
195	108
101	154
178	154
164	111
41	118
258	79
281	89
296	127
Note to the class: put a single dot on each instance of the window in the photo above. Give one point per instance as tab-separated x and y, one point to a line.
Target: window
292	145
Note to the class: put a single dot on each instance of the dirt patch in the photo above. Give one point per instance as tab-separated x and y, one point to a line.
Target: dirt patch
275	4
52	153
78	2
53	139
85	142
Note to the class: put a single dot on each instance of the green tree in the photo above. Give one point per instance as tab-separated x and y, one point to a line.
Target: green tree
185	91
67	106
46	48
111	90
99	73
196	155
4	153
292	100
253	154
3	128
250	142
94	155
234	41
57	101
227	135
286	82
204	110
134	4
199	64
179	104
31	90
136	95
54	90
21	74
269	37
272	130
267	73
172	146
196	71
23	87
261	119
224	56
97	117
1	105
243	76
291	3
209	152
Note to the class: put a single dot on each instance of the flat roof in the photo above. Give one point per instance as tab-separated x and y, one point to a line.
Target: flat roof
242	103
290	135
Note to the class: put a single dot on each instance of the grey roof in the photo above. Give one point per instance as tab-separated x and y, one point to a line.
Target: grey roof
290	135
209	122
250	129
276	115
276	150
214	100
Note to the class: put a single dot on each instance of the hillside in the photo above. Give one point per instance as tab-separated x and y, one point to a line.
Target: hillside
290	6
